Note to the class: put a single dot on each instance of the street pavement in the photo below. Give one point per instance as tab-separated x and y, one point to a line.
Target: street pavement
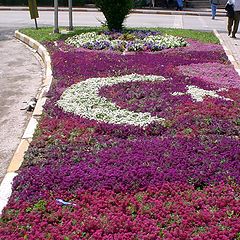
21	73
20	78
172	19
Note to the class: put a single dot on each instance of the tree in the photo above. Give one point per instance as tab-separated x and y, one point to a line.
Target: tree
115	11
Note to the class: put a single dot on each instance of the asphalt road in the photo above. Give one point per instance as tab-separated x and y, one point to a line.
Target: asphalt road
20	77
19	19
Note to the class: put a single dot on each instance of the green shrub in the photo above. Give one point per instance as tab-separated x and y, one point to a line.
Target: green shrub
115	12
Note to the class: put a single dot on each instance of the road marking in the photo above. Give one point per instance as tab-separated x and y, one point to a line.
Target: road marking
178	21
203	22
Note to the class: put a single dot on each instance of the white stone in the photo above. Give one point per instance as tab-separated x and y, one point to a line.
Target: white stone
6	189
30	128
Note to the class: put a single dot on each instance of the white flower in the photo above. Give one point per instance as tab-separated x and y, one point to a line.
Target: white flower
83	99
198	94
93	40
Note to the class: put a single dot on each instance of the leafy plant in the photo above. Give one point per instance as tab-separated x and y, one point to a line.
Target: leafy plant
115	12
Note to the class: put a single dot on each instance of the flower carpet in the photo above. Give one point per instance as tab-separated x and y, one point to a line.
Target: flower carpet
129	41
138	145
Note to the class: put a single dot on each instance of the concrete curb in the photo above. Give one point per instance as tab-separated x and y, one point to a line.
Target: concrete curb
228	52
5	189
17	159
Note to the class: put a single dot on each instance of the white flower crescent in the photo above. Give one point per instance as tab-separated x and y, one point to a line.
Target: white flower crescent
83	99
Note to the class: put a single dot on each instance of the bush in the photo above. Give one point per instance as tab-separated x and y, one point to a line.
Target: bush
115	12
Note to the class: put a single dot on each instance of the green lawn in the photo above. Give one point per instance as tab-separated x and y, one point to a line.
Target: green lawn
46	34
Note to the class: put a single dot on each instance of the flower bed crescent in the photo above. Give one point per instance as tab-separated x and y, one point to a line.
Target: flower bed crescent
133	146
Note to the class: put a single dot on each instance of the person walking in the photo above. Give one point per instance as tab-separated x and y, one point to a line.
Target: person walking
214	4
233	19
179	5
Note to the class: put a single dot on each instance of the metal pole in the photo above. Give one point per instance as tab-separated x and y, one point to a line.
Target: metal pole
36	23
70	15
56	29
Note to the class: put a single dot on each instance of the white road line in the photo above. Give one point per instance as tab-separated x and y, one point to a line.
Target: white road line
203	22
178	21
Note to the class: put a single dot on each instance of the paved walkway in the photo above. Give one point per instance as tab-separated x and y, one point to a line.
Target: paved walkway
233	45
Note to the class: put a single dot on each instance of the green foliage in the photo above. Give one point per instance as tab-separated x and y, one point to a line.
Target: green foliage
46	34
237	122
207	37
115	12
39	206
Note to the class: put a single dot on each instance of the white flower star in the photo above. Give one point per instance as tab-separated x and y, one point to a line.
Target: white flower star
198	94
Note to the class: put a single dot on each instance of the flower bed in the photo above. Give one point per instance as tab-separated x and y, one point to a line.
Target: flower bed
134	146
129	41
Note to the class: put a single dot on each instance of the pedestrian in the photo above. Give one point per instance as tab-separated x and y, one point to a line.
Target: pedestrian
214	4
179	5
233	19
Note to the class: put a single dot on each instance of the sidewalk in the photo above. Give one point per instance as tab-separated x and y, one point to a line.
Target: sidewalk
232	49
186	11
